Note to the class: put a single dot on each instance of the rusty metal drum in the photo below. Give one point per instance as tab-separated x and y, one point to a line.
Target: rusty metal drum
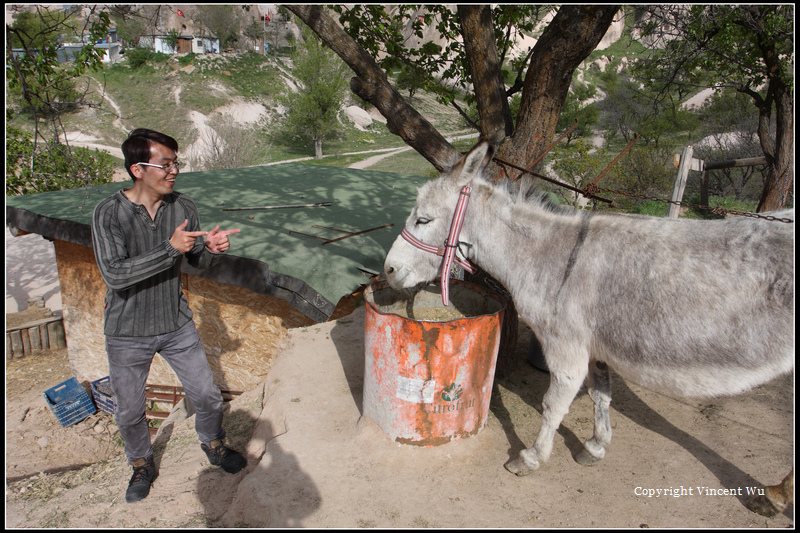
429	369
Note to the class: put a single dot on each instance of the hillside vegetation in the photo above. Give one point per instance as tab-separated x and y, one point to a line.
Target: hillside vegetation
205	101
179	94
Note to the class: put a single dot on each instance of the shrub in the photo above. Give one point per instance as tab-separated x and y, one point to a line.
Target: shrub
188	59
138	57
55	166
159	57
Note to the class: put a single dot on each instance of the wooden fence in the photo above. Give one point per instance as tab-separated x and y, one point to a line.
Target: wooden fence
685	162
35	337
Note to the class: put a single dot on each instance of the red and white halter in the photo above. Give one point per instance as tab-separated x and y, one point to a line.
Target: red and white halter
448	251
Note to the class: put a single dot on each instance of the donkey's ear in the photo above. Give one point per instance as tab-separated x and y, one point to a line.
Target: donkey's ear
472	163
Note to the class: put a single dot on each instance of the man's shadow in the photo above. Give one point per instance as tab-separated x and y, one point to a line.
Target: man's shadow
272	491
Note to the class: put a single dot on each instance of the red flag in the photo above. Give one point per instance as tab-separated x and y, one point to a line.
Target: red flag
180	13
266	17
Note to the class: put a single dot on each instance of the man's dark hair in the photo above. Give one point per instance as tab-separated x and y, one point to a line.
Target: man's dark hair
136	147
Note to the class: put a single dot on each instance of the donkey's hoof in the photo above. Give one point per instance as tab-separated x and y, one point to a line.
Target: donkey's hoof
519	467
763	506
586	459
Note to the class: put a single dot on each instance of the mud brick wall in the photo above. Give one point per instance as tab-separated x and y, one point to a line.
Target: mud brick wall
240	329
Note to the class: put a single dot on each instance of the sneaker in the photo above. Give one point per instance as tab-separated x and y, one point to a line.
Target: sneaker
218	454
144	473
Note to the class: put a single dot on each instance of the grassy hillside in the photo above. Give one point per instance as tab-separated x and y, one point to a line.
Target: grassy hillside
170	93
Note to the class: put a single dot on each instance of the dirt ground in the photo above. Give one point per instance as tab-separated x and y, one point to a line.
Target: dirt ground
314	461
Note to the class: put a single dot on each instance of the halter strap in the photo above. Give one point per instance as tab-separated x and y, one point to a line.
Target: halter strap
448	251
452	239
463	263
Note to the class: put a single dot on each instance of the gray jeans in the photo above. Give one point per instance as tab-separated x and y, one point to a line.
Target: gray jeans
129	360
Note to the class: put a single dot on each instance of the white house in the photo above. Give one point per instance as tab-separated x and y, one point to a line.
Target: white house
69	51
110	48
198	44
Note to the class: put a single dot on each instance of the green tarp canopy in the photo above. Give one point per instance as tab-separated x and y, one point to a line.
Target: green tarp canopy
271	255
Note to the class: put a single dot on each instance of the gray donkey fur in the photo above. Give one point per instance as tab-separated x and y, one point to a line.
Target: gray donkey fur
686	307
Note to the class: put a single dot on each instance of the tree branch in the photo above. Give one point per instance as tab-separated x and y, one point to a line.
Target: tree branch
372	85
519	80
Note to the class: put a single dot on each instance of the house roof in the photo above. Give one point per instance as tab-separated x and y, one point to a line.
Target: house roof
265	256
185	36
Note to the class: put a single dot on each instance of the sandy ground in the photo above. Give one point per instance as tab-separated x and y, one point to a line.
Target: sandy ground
30	272
315	461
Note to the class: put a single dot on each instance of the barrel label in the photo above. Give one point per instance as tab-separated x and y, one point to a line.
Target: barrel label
415	390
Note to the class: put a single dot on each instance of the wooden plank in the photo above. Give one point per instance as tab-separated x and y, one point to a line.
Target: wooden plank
170	388
26	342
55	333
680	181
44	336
42	321
164	397
732	163
36	339
696	164
16	343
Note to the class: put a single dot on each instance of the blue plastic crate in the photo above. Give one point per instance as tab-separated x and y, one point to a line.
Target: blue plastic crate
104	395
69	402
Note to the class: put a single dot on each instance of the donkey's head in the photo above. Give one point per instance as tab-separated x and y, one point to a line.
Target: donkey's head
408	265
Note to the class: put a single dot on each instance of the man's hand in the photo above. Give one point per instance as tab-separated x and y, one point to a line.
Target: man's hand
183	241
217	241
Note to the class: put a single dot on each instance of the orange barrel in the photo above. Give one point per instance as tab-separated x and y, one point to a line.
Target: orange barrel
429	369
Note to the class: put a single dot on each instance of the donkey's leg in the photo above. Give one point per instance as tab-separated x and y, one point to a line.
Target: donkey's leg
599	385
564	385
775	499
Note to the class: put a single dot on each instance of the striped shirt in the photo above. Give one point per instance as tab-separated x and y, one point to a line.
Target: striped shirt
142	270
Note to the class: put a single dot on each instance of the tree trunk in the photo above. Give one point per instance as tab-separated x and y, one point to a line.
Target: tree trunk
317	147
372	85
574	33
779	177
487	76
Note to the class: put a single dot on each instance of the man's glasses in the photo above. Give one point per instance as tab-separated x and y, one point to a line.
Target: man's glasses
166	168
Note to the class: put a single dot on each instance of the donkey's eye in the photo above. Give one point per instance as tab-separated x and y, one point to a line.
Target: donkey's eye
422	221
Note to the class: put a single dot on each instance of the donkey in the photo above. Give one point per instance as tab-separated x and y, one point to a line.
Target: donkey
685	307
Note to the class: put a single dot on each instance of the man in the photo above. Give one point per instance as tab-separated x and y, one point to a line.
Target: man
140	237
